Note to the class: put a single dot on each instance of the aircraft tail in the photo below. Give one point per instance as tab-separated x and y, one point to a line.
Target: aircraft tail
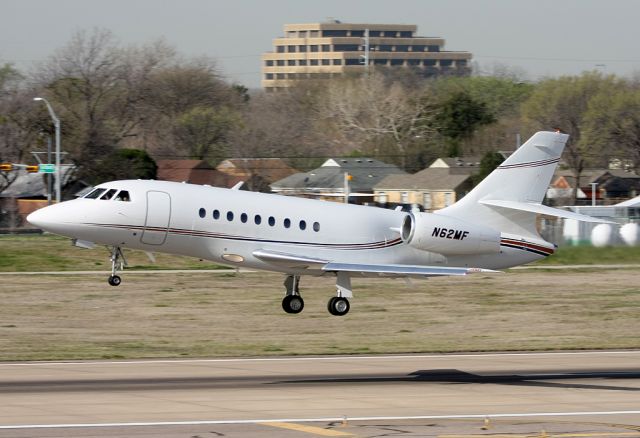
511	196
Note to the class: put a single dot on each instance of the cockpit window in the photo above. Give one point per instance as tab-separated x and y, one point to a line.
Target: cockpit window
109	194
95	194
123	196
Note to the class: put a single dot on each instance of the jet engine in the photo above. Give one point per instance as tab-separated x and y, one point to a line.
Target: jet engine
447	235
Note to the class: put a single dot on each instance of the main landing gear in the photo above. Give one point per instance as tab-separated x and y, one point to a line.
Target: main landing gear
337	306
118	263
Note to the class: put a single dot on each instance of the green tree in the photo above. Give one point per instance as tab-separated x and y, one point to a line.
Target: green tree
124	164
457	118
488	164
562	103
204	131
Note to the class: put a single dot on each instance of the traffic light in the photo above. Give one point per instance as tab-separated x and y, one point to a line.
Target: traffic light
32	169
6	167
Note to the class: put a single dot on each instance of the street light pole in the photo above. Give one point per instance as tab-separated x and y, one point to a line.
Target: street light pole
56	123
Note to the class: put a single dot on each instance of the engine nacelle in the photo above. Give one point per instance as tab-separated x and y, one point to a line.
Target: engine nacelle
448	236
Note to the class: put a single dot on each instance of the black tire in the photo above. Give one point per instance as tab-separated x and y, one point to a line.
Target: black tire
114	280
338	306
293	304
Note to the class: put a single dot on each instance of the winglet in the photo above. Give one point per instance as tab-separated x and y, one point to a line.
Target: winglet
237	185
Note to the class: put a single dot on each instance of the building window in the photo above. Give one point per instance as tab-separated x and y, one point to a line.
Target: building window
413	61
326	48
334	33
426	200
405	34
358	33
326	62
280	76
280	49
448	199
434	48
446	62
268	76
291	49
313	48
314	62
337	62
351	62
202	212
402	48
461	62
280	62
384	48
268	63
382	197
216	214
302	33
291	62
418	48
374	33
430	62
302	62
302	49
397	62
346	47
379	62
404	197
314	33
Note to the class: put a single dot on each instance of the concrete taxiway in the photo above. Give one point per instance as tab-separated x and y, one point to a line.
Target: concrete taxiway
588	394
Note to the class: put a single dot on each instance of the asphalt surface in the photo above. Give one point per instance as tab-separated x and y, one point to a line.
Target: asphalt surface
579	394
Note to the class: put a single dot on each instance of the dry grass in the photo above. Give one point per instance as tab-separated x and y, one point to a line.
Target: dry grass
198	315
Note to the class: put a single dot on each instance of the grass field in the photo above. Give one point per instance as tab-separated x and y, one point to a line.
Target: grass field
155	314
196	314
52	253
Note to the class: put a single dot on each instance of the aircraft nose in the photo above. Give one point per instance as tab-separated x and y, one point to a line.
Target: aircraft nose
55	218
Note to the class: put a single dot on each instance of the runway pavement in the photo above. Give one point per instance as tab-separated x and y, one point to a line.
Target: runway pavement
578	394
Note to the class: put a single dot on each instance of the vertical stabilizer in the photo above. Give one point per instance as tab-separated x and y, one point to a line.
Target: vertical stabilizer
523	178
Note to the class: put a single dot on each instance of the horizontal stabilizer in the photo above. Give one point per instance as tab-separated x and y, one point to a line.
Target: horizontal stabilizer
542	209
401	270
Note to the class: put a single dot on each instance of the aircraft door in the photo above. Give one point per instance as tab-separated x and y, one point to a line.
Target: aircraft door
158	217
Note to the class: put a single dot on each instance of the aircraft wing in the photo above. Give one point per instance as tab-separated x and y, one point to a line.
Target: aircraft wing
400	270
304	262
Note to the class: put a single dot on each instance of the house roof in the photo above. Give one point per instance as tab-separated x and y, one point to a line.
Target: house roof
366	173
431	178
269	169
194	172
564	177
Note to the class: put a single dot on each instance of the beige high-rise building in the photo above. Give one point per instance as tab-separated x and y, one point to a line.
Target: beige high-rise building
324	50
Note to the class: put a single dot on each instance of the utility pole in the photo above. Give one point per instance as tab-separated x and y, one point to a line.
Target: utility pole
56	123
364	59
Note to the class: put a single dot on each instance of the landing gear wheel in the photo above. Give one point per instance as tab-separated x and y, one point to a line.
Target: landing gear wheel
114	280
293	304
338	306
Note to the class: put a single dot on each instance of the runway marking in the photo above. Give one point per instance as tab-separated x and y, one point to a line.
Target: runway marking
549	435
309	429
322	358
315	420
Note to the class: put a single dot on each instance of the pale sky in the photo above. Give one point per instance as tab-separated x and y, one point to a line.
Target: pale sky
542	37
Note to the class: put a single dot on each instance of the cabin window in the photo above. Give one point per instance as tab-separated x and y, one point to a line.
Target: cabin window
316	226
229	216
202	212
95	194
272	221
287	223
257	219
243	218
303	225
123	196
109	194
216	214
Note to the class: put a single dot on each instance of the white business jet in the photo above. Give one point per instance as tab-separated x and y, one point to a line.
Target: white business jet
492	227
